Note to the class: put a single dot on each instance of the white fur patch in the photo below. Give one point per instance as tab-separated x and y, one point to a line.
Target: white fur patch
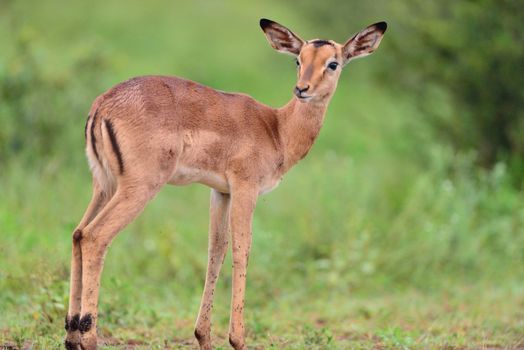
186	175
270	186
102	173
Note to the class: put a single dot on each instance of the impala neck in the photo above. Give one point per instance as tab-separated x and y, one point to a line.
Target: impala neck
299	125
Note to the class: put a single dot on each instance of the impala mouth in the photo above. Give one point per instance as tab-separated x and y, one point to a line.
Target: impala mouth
303	97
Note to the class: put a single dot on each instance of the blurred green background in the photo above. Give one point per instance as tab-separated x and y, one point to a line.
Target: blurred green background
402	229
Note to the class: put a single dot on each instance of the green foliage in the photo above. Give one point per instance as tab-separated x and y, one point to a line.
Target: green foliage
35	111
473	50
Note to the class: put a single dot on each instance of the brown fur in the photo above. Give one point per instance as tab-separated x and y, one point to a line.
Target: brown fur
153	130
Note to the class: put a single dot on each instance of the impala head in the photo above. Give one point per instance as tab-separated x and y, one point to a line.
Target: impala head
320	62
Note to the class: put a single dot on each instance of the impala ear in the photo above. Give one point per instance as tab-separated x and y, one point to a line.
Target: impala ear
364	42
281	38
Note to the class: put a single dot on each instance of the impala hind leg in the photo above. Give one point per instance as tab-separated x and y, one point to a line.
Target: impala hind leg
243	200
124	206
98	201
218	242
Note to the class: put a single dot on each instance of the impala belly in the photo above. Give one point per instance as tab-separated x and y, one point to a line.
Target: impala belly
198	163
186	175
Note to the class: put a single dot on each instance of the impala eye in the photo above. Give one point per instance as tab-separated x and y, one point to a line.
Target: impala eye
297	62
333	65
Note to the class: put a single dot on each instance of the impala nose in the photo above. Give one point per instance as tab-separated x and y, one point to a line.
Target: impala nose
299	90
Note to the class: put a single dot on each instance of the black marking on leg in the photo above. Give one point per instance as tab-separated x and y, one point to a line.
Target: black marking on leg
85	323
114	143
77	236
73	324
93	137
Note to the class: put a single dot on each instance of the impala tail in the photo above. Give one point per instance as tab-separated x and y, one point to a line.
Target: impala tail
103	150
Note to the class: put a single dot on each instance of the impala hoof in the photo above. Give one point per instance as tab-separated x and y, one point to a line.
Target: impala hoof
72	341
237	343
204	340
69	345
89	341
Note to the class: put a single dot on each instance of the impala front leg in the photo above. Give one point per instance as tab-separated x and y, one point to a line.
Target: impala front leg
218	241
243	200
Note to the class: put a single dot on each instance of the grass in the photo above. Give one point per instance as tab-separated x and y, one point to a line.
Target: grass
311	285
382	238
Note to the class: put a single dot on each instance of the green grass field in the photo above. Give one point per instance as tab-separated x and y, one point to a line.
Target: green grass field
382	238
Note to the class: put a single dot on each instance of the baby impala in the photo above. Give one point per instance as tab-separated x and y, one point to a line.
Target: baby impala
155	130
